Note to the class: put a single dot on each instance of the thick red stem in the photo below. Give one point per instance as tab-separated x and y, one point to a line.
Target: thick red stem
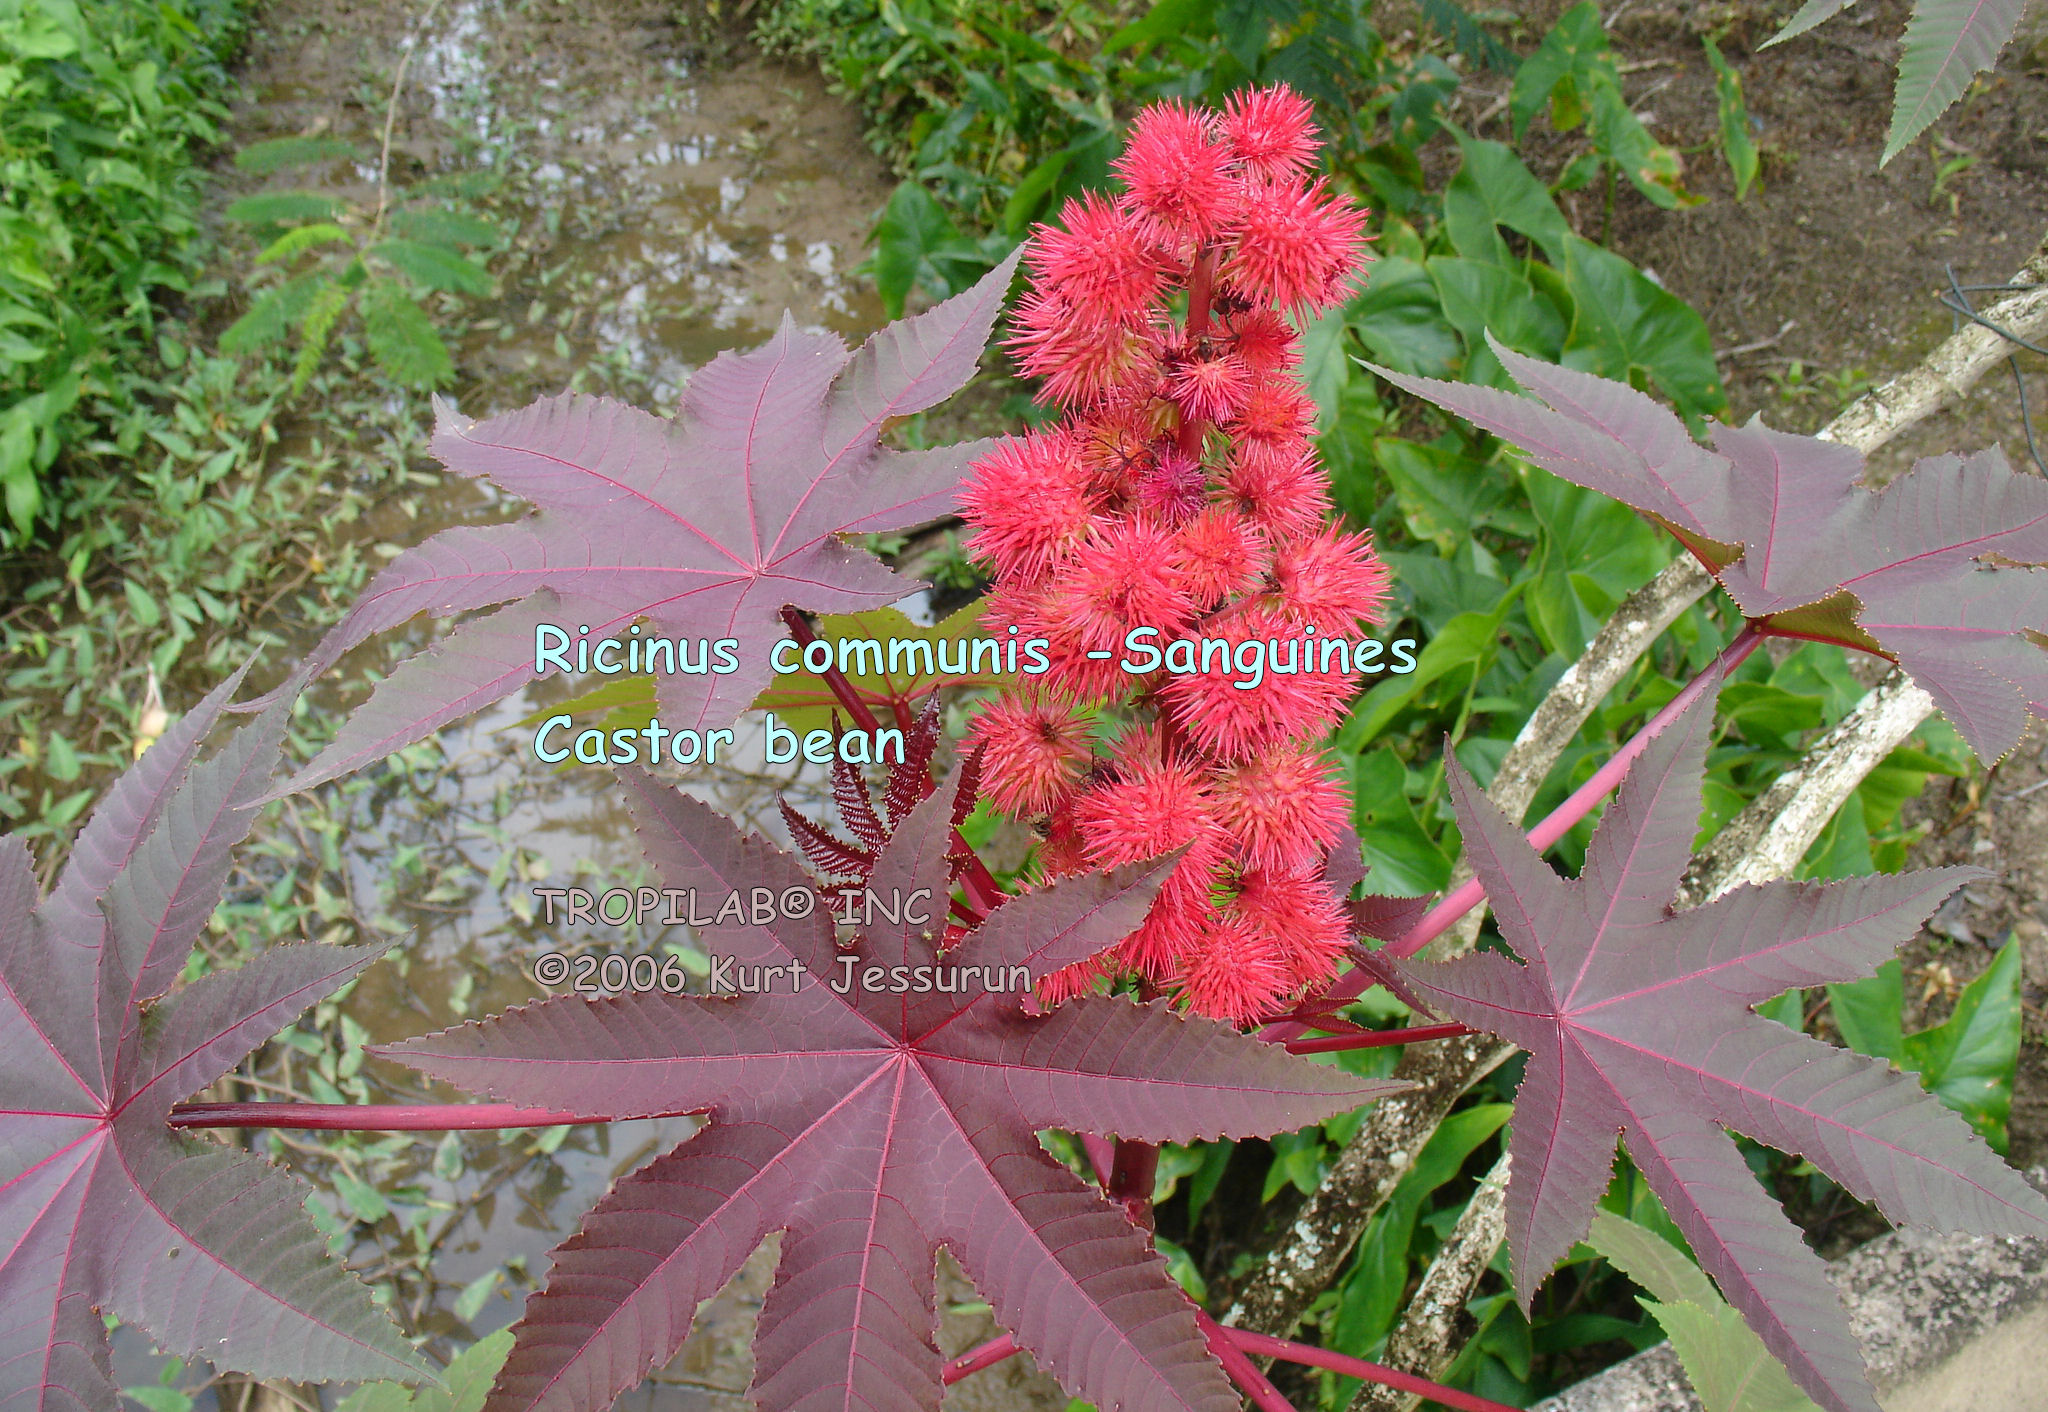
982	888
1131	1177
1201	281
1442	917
975	1359
1101	1156
1245	1373
380	1117
1200	284
1374	1039
842	689
1231	1347
1266	1346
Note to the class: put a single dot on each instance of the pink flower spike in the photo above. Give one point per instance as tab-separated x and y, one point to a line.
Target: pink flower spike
1175	487
1233	972
1236	712
1033	751
1277	410
1331	579
1149	810
1061	851
1158	949
1298	247
1117	444
1220	553
1016	603
1278	487
1081	978
1265	341
1126	579
1090	680
1296	912
1080	359
1271	130
1176	176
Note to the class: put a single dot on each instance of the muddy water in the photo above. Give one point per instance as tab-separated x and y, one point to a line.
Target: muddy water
660	209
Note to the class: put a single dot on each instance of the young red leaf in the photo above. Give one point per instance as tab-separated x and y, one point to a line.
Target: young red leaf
1935	571
1639	1022
706	526
871	1128
102	1206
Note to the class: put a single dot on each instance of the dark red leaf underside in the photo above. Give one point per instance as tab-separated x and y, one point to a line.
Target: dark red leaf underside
871	1129
102	1206
1639	1023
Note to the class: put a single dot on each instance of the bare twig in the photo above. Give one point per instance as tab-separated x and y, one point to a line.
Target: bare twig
1957	299
1320	1240
1759	345
1768	839
1947	374
1436	1323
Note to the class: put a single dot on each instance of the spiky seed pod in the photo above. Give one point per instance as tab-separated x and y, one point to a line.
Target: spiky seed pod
1271	131
1034	751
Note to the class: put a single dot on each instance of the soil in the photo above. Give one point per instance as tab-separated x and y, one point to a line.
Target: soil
666	208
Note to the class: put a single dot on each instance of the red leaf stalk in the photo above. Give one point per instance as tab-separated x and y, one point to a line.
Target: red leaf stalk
983	891
1131	1178
380	1117
1267	1346
1101	1156
842	689
1375	1039
1242	1370
975	1359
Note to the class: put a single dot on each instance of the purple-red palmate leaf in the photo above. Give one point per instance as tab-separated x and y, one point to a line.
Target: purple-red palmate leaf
1638	1022
1934	572
102	1206
872	1128
706	526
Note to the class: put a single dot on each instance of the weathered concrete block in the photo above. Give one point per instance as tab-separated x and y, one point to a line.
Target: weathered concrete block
1947	1323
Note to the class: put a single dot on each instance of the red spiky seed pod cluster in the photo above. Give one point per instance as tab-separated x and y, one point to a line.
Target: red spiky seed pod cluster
1181	493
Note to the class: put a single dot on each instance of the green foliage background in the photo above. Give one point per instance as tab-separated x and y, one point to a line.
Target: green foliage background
102	105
